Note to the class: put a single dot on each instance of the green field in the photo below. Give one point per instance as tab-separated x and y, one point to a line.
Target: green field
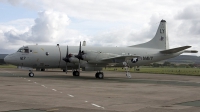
145	69
8	66
162	70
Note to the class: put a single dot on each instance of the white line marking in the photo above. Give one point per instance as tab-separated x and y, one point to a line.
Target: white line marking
35	82
70	95
43	86
54	90
60	92
95	105
29	80
86	101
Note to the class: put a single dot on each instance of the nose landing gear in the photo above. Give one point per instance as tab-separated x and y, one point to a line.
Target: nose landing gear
31	74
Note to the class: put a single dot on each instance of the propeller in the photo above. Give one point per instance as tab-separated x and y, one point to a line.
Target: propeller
66	59
79	56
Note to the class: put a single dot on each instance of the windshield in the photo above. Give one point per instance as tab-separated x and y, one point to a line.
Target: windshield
23	50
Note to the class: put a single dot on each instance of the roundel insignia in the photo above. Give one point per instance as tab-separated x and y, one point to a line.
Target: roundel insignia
134	60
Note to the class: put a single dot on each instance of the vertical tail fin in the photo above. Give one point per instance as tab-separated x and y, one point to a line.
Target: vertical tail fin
160	40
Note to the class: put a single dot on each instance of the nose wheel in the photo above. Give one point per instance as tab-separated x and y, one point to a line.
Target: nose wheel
31	74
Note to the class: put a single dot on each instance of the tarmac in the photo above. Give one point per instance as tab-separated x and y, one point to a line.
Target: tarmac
56	91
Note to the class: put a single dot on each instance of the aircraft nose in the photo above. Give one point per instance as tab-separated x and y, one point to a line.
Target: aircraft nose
7	59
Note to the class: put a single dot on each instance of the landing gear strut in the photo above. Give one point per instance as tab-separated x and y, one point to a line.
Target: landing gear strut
127	68
99	75
31	74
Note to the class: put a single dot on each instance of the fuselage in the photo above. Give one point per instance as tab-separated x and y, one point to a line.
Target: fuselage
48	56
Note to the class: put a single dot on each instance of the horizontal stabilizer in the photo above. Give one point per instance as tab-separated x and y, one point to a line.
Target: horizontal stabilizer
190	51
174	50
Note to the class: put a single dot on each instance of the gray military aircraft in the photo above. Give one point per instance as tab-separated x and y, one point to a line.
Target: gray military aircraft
94	58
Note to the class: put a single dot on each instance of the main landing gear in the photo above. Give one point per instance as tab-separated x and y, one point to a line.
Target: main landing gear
76	73
31	74
127	69
99	75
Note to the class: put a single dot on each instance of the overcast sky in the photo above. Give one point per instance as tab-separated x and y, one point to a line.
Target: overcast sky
100	23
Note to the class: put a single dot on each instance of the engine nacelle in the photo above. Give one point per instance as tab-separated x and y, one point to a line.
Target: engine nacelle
73	60
90	55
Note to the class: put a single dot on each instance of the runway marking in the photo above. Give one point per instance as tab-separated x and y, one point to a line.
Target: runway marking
86	101
60	92
97	106
43	86
35	82
70	95
54	90
29	80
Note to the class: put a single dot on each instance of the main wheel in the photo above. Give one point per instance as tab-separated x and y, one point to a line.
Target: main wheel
97	75
76	73
100	75
31	74
42	69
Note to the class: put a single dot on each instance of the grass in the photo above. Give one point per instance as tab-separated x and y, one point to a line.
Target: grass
145	69
162	70
8	66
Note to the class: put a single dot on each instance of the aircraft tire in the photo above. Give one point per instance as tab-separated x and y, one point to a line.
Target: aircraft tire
100	75
31	74
97	75
42	69
76	73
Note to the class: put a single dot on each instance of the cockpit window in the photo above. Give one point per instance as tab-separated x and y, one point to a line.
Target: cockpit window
23	50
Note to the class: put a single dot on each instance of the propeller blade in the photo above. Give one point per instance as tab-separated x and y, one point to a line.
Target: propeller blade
66	59
80	48
67	54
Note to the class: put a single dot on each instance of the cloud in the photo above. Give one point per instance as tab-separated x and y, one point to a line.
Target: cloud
51	27
47	27
107	23
189	13
30	4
